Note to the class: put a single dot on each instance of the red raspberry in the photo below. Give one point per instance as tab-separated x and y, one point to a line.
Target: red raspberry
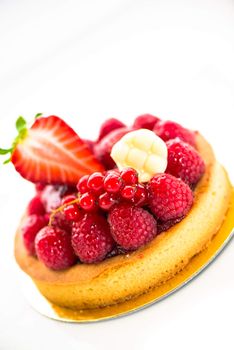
51	197
103	148
168	130
91	238
59	220
108	126
131	227
169	197
54	249
35	206
31	226
184	161
145	121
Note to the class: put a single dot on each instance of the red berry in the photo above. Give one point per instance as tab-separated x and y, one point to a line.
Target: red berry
88	201
145	121
59	220
35	206
54	249
68	199
113	183
108	126
82	186
91	238
128	192
131	227
106	201
52	196
31	226
168	130
129	176
95	182
72	212
184	161
169	197
141	195
39	187
103	148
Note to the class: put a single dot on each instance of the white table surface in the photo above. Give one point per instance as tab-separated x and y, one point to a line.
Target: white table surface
89	60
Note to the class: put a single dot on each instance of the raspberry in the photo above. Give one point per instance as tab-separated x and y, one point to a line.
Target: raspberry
145	121
91	238
168	130
59	220
54	249
184	161
31	226
108	126
169	197
103	148
131	227
51	196
35	206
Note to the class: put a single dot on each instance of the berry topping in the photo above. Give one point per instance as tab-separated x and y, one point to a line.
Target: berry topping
169	197
59	220
141	195
168	130
51	152
145	121
108	126
39	187
35	206
52	196
95	182
112	182
128	192
184	161
129	176
106	201
68	199
54	249
91	238
88	201
72	212
82	186
31	226
131	227
103	148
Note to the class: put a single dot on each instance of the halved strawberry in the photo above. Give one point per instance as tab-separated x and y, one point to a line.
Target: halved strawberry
51	152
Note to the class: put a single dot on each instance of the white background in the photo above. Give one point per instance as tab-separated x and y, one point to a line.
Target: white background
89	60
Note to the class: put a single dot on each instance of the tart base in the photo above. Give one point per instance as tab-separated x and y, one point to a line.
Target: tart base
196	265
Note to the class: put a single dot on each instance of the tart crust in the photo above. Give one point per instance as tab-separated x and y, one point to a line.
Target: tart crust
123	277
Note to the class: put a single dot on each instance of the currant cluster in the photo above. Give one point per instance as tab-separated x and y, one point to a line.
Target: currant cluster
103	191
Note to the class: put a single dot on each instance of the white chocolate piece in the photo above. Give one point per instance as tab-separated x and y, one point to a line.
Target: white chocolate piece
143	151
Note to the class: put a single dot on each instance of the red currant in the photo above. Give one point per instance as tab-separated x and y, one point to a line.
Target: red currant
72	212
88	201
129	176
128	192
106	201
95	182
141	195
68	199
112	183
82	184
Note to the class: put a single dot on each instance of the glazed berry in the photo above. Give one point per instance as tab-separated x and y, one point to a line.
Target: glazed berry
95	182
88	201
168	130
72	212
169	197
108	126
54	249
91	238
113	183
35	206
145	121
131	227
106	201
184	161
128	192
129	176
31	226
82	186
68	199
141	195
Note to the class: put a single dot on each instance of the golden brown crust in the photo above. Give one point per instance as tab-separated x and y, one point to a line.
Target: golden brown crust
122	277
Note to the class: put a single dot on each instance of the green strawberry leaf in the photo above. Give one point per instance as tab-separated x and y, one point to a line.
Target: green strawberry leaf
38	115
20	124
5	151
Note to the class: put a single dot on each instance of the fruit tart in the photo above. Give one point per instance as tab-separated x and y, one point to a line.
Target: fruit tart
113	218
